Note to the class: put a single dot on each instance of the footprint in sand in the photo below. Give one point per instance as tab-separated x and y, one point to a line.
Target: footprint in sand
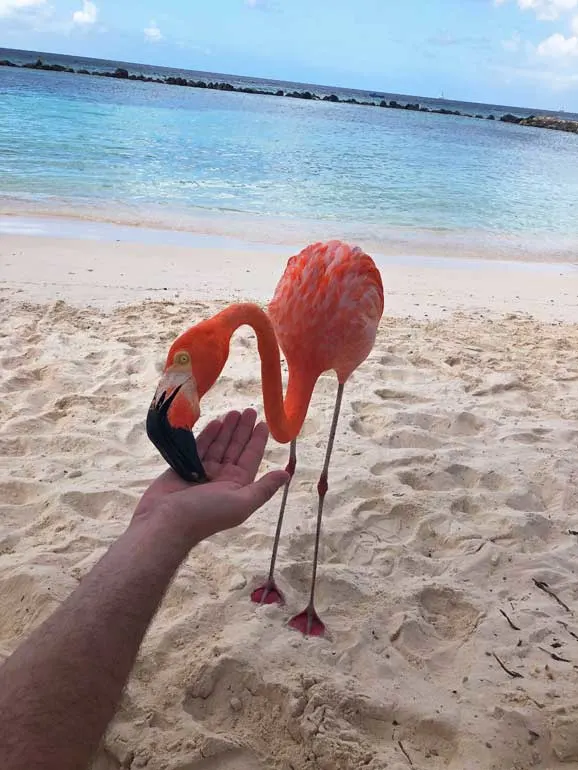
452	616
455	476
20	492
390	394
382	468
231	698
355	548
390	359
411	438
444	424
113	504
532	436
24	380
527	501
441	618
371	419
393	524
498	383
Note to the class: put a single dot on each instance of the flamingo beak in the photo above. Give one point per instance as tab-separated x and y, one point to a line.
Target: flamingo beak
171	416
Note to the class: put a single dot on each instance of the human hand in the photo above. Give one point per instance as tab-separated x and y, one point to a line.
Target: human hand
231	450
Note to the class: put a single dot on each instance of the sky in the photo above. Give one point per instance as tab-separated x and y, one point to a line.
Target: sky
507	52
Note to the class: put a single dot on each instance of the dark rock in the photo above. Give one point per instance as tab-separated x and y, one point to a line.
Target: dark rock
480	117
383	103
509	118
120	73
555	124
394	105
6	63
424	109
490	117
300	94
331	98
279	93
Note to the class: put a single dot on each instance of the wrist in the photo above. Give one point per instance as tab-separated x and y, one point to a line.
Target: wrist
165	530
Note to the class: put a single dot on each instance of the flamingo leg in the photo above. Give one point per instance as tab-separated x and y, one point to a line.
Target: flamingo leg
308	621
268	593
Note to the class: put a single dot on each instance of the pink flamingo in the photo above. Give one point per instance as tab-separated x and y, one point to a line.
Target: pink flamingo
324	316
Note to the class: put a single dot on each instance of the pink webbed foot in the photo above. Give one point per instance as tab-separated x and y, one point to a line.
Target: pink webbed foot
268	594
308	622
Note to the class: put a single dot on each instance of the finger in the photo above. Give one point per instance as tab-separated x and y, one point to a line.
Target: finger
241	436
217	448
250	459
207	436
261	491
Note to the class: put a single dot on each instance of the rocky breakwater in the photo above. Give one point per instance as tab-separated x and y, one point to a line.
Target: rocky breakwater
539	121
543	121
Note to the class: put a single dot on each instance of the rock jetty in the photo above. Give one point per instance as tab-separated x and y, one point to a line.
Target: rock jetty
536	121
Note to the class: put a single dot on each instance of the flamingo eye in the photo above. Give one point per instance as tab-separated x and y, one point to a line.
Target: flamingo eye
182	358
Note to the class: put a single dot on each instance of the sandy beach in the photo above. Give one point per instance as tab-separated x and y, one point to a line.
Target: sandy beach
451	523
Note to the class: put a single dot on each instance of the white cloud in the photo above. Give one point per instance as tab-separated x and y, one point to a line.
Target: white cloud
575	25
152	33
545	10
13	7
87	15
558	46
256	3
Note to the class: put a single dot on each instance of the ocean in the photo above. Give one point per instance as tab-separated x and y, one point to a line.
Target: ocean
280	168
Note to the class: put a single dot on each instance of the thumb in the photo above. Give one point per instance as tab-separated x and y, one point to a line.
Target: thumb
262	490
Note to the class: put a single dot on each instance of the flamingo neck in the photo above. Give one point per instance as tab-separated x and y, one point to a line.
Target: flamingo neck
285	416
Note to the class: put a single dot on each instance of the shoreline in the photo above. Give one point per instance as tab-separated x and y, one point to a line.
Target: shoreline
151	225
107	266
121	73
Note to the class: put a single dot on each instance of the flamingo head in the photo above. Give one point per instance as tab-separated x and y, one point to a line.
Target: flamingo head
193	364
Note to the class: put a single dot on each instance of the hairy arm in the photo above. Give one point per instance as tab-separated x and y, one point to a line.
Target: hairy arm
60	689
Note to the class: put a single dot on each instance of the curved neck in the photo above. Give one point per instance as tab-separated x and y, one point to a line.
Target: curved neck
284	416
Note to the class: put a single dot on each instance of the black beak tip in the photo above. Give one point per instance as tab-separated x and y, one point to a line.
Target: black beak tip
176	445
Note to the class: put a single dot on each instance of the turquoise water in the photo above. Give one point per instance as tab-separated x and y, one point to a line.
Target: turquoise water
100	147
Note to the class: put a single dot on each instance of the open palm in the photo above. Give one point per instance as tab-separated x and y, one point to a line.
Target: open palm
231	450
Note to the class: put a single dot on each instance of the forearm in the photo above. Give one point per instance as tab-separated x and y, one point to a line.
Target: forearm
60	689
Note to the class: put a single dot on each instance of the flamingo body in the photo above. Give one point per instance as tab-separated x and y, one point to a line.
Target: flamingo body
326	310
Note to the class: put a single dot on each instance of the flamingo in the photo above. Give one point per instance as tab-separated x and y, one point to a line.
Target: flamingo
324	316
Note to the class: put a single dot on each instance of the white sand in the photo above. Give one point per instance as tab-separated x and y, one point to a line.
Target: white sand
454	487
